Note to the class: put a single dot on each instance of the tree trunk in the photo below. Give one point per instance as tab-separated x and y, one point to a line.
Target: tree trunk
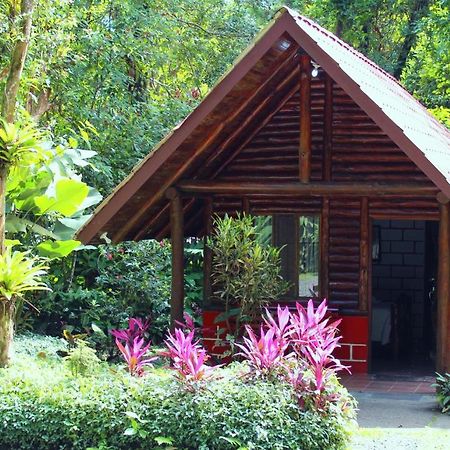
17	62
6	330
418	10
3	175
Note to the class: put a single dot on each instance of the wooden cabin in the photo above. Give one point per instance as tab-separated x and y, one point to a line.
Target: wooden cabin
306	130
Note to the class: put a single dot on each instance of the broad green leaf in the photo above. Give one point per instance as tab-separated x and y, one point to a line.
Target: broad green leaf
57	249
12	242
16	224
163	440
69	195
66	227
93	198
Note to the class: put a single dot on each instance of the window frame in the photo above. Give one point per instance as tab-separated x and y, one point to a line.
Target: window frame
295	296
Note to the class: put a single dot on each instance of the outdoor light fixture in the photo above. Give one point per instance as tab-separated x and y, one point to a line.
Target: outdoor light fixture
315	70
283	44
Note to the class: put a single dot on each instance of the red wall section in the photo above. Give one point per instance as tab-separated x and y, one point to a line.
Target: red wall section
354	343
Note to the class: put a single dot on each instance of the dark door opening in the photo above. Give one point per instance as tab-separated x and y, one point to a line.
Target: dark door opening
403	309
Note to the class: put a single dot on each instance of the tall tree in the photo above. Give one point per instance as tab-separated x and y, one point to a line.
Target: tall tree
9	97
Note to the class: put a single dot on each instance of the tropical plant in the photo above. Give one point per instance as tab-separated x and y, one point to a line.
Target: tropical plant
82	359
297	347
134	354
264	353
20	144
442	386
188	358
137	328
19	274
245	273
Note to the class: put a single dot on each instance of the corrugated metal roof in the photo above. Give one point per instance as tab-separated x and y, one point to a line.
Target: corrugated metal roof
416	123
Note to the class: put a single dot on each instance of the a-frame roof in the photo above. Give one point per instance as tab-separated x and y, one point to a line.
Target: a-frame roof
255	87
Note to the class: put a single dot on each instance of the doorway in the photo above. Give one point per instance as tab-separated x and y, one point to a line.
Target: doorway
403	309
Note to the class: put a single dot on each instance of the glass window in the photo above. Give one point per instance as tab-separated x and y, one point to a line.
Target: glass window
263	226
309	249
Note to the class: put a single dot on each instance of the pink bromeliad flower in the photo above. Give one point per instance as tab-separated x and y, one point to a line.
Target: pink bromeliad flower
136	329
188	357
265	354
134	355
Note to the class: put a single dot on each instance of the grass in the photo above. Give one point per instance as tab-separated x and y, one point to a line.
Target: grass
400	438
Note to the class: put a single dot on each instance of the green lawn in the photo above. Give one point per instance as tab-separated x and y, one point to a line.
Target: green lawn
401	438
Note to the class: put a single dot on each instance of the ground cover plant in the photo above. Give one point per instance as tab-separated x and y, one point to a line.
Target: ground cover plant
250	404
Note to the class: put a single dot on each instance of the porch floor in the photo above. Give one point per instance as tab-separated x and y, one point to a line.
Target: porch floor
389	383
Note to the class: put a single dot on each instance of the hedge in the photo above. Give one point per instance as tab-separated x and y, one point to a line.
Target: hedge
43	407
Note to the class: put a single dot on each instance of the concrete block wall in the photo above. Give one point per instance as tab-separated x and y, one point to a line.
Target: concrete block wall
400	270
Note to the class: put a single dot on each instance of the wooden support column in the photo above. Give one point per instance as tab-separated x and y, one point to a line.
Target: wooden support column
305	119
245	205
324	248
207	254
364	256
177	240
328	129
443	289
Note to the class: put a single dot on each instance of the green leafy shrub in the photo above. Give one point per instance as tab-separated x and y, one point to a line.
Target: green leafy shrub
108	285
245	273
43	407
442	386
82	359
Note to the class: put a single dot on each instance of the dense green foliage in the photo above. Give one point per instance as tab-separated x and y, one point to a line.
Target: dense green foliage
108	285
43	406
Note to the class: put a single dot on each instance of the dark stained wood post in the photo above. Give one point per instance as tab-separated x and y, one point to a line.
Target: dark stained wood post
245	205
207	254
177	238
324	248
327	129
443	288
364	256
305	119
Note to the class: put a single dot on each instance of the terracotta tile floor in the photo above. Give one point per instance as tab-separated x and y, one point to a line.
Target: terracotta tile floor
377	383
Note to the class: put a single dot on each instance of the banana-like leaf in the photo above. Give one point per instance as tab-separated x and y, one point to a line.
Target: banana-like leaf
57	249
69	196
16	224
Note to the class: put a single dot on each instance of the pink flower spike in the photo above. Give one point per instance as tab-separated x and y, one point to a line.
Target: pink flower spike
188	357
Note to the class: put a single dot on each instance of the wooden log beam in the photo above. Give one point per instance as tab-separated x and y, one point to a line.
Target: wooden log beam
246	205
443	291
207	254
311	189
305	119
325	249
283	95
328	129
273	93
364	256
177	240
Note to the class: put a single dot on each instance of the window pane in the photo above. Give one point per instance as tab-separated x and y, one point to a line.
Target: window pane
308	284
263	226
